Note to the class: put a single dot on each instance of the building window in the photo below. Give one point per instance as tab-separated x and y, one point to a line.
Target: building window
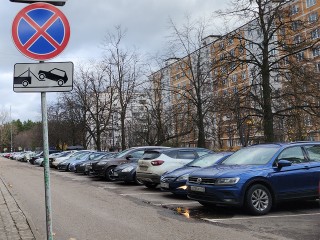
313	17
243	75
235	90
297	39
234	78
300	56
294	10
232	52
295	25
221	45
315	33
273	52
316	51
318	67
310	3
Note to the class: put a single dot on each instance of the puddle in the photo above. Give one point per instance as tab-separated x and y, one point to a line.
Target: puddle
203	212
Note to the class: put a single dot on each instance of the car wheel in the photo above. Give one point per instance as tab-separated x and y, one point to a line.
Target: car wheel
136	180
25	83
151	185
60	82
109	174
258	200
42	76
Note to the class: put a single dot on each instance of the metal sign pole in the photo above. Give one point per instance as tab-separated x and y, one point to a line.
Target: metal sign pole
46	165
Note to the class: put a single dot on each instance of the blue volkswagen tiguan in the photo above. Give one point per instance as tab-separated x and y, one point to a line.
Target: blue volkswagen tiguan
259	176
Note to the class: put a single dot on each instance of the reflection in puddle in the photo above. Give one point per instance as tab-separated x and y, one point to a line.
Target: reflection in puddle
202	212
224	212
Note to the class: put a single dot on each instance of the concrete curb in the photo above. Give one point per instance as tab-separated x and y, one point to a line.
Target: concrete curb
13	222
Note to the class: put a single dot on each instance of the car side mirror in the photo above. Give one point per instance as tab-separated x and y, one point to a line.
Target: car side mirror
283	163
129	156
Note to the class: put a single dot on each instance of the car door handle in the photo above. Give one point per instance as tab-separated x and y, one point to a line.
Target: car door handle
306	167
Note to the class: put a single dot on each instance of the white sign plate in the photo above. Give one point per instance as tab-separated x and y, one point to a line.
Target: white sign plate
43	77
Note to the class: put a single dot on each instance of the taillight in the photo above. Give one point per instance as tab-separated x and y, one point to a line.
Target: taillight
157	162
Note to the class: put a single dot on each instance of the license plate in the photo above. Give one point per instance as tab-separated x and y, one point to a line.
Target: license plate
164	185
143	168
197	189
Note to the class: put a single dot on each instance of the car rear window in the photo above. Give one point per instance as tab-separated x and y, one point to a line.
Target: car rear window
148	155
186	155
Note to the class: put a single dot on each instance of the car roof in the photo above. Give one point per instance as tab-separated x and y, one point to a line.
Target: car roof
286	143
179	148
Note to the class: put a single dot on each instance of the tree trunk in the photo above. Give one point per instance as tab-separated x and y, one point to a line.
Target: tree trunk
267	107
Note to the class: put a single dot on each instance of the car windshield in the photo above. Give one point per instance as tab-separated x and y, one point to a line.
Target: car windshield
123	153
205	161
257	155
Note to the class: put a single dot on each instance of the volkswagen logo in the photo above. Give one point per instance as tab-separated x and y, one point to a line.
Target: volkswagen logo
199	180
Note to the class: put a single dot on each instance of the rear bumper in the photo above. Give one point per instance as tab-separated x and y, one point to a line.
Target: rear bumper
148	177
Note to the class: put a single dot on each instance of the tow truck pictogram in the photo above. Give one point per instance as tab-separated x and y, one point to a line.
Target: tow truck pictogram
55	74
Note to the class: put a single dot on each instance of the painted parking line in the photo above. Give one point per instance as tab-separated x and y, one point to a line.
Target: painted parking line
261	217
176	203
135	194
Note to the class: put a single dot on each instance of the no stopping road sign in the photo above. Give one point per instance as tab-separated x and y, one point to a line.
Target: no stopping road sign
40	31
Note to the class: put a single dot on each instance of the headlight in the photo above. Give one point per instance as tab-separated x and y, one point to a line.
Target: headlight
227	181
128	169
183	177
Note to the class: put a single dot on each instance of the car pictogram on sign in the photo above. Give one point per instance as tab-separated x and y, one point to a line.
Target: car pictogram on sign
55	74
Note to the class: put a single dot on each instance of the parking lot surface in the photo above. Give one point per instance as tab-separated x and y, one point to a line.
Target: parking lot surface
89	208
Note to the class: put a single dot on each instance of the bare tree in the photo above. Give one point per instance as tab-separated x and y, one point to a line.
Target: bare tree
264	46
94	94
191	74
124	70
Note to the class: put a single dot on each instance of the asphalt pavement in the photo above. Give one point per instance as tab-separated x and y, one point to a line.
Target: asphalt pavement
13	222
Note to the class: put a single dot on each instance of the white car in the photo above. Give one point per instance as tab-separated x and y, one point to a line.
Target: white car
55	160
40	162
154	163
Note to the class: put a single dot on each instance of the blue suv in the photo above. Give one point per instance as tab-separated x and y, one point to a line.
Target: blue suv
259	176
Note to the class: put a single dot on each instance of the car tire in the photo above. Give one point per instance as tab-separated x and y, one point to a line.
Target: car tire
42	76
136	180
108	174
60	82
258	200
151	185
25	83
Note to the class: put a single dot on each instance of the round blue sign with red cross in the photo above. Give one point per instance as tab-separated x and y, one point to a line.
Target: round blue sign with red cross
40	31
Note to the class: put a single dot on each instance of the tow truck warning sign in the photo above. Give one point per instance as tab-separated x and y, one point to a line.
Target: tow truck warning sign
43	77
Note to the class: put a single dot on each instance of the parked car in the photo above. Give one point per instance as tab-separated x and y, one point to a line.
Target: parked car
104	168
176	181
55	160
260	176
40	161
40	155
127	172
154	163
95	156
79	159
88	165
65	165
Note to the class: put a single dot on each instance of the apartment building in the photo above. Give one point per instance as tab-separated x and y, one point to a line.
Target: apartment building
233	73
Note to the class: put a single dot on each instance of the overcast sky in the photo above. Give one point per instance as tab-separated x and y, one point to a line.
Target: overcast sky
145	20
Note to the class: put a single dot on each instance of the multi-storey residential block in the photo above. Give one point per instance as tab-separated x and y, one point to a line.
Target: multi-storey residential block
244	70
